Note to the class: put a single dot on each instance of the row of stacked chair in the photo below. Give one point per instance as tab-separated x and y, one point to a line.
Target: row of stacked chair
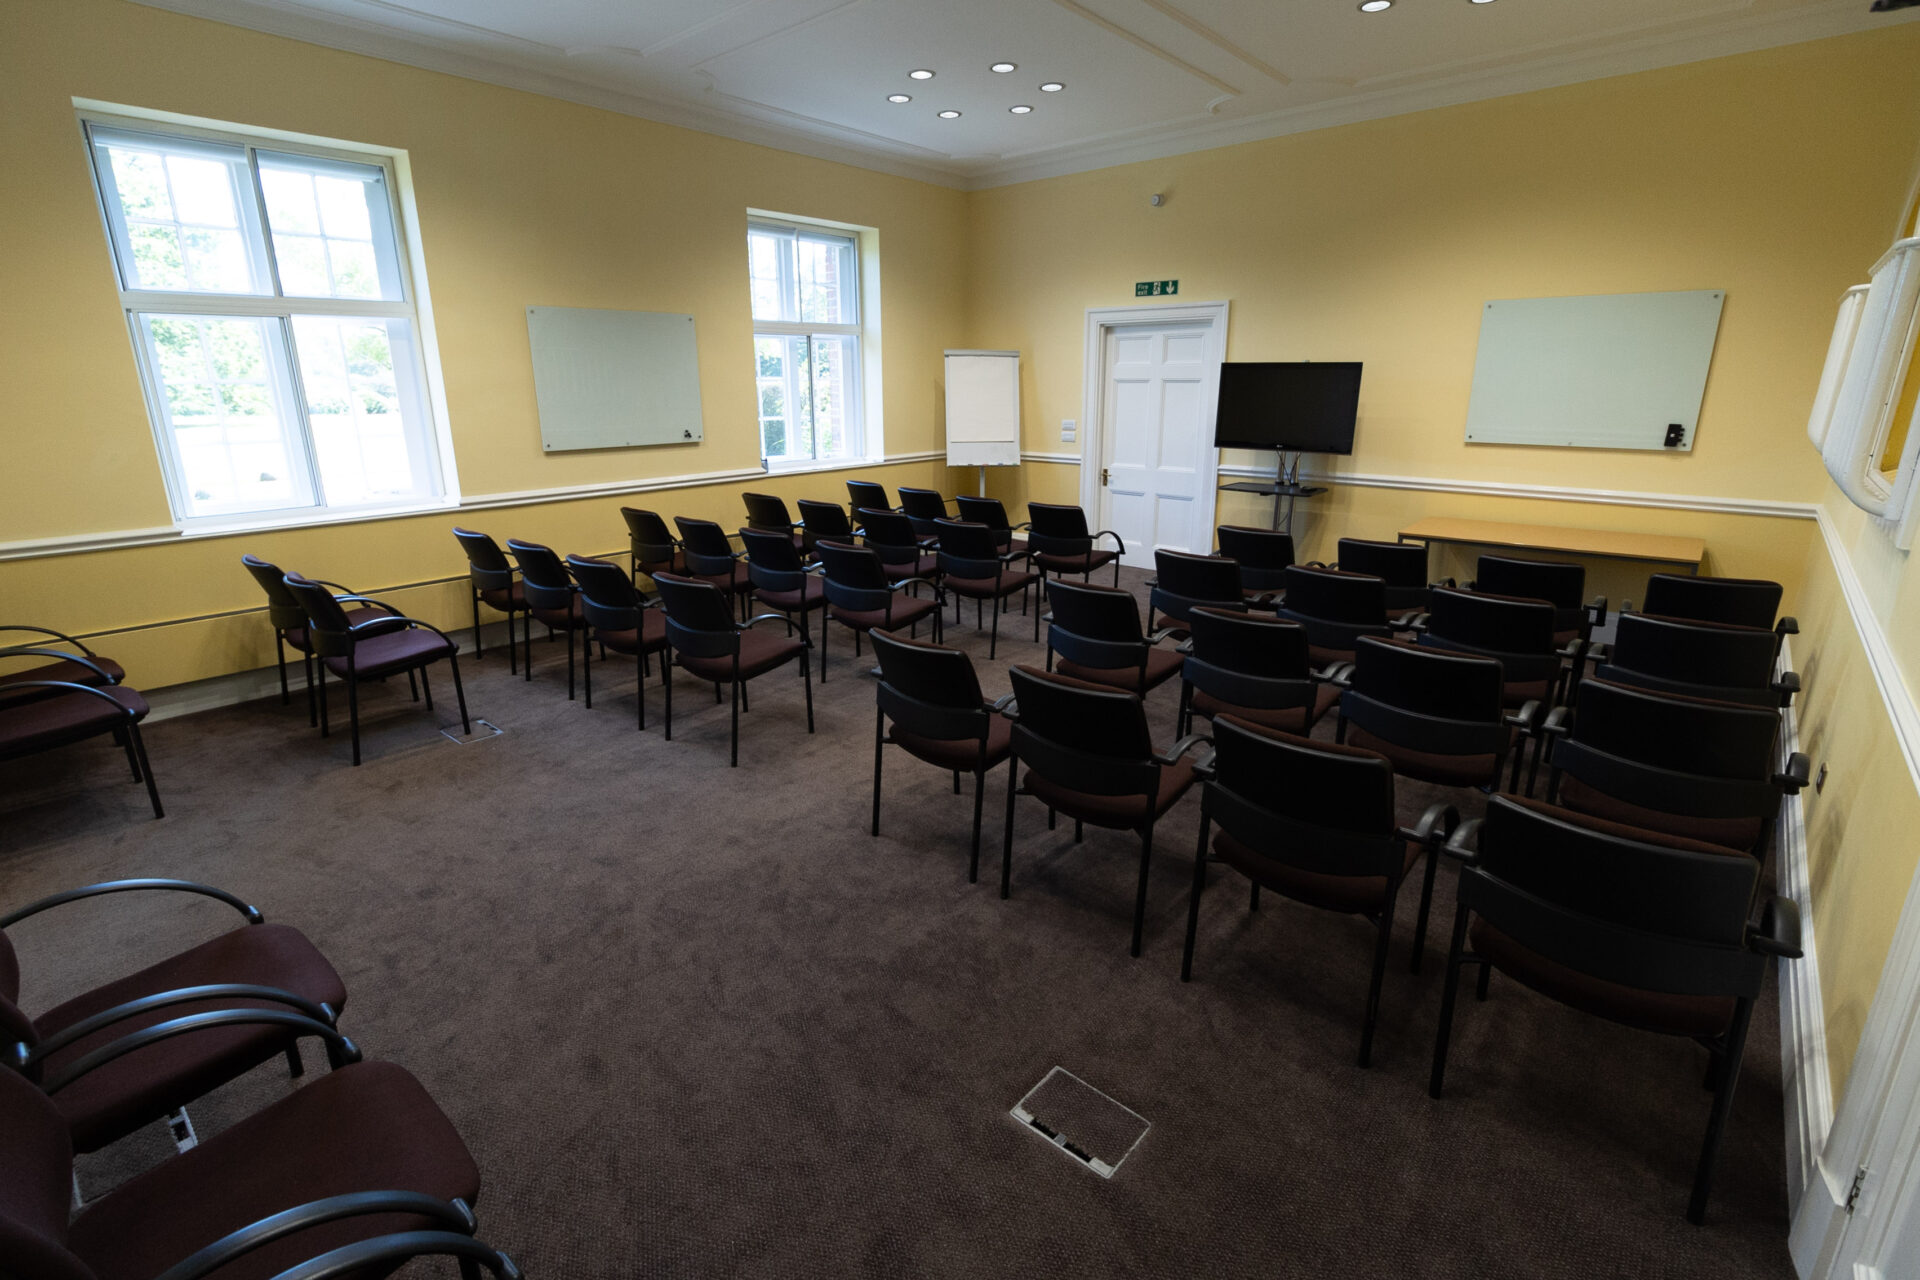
354	1173
71	694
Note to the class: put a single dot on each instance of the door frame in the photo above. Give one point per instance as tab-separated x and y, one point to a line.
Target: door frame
1102	322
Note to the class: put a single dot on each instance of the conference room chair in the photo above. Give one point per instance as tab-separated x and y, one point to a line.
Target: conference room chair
1337	608
1183	582
923	507
97	1055
372	650
1089	755
1684	766
1402	566
767	513
1439	716
1564	586
711	645
353	1174
553	599
972	566
931	707
823	520
289	623
1061	543
1520	633
623	621
866	493
992	513
1696	659
1740	602
901	548
1644	929
38	715
782	580
652	544
1251	666
1313	822
1264	556
493	581
1096	633
82	666
863	596
711	558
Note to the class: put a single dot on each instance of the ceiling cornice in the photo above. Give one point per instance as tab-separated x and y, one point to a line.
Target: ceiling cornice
740	122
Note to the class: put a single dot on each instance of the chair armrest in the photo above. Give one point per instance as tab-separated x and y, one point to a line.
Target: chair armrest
1185	649
86	660
1407	619
1526	716
906	584
1317	564
342	588
1438	823
1118	545
1786	686
1573	650
1597	611
1788	626
1173	753
448	1215
1418	622
49	631
759	618
1151	583
382	1253
1006	704
1336	673
1778	933
67	1035
1556	722
1162	633
130	886
1797	774
1014	557
340	1050
1460	845
1599	653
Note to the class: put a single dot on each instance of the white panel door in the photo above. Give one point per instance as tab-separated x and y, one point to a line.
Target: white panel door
1156	437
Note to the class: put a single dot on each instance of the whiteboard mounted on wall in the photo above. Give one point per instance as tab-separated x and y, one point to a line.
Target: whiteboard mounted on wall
983	408
614	379
1606	371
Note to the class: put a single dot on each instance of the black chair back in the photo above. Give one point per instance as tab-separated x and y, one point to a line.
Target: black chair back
1699	659
1401	565
607	596
1740	602
773	562
766	511
1564	586
1322	808
1248	660
990	512
1264	554
543	576
1427	700
1334	606
1095	626
699	617
1058	530
929	689
865	493
327	627
893	536
1518	632
969	550
824	520
283	608
856	577
923	507
652	543
1082	736
1185	582
705	546
487	565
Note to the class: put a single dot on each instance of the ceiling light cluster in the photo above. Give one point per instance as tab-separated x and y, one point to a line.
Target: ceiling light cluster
1007	68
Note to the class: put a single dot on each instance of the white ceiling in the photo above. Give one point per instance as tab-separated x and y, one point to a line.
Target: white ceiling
1143	78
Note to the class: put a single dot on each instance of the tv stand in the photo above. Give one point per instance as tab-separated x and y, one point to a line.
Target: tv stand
1285	484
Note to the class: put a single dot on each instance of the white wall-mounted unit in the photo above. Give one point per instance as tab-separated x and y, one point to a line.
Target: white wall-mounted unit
613	379
983	408
1868	395
1846	327
1606	371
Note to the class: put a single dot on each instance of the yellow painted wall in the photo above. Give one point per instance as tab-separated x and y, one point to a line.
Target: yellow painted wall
522	200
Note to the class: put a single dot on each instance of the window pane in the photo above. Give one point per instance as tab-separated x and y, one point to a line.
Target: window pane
826	288
363	406
781	385
186	214
221	381
767	255
834	379
332	225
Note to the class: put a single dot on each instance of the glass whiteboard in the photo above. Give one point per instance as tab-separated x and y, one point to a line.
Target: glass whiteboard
613	379
1604	371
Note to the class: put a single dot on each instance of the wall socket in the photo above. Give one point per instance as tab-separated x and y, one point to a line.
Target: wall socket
1069	430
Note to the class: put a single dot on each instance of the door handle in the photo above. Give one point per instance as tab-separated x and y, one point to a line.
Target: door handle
1105	476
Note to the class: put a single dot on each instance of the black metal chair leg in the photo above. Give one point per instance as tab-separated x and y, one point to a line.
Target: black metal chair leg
1253	898
146	769
478	652
1485	981
459	694
306	669
1006	847
640	687
1449	994
1722	1106
295	1067
353	708
1140	899
320	670
1381	947
413	686
426	688
879	739
806	684
280	656
979	801
666	683
1426	905
570	631
733	760
1193	894
586	667
956	782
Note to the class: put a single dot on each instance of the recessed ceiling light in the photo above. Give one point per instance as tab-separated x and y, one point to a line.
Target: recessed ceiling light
1052	86
1375	6
1004	67
920	74
1479	1
899	97
1020	110
949	115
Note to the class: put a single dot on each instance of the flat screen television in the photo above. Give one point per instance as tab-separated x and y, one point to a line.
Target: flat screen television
1299	407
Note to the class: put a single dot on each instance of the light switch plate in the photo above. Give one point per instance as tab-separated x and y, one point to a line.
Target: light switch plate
1069	429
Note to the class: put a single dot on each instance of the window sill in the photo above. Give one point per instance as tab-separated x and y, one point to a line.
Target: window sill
807	468
217	527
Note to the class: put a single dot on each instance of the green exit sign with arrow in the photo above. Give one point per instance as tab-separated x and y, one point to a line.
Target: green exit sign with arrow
1155	288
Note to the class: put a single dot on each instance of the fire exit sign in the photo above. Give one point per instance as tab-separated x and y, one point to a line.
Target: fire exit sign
1155	288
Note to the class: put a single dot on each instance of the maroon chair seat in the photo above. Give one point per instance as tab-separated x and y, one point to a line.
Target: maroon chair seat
925	566
957	755
572	617
503	598
1083	563
1162	665
1353	895
760	652
94	671
649	637
810	595
906	610
1298	720
1431	766
1125	813
1662	1011
297	636
113	1100
40	725
1008	583
366	1127
381	655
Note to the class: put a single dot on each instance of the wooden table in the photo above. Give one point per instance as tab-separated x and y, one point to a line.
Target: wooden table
1657	547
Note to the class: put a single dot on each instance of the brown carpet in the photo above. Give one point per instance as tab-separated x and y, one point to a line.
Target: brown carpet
696	1022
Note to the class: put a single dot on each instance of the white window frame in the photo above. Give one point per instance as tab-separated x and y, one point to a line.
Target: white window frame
1854	412
861	379
430	446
